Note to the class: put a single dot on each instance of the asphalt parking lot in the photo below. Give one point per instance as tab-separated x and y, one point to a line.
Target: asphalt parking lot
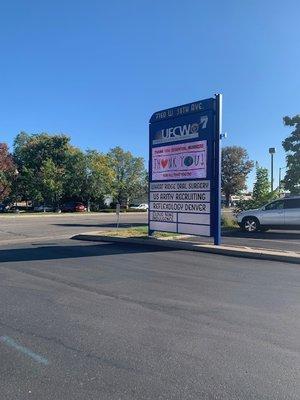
274	239
80	320
21	228
39	226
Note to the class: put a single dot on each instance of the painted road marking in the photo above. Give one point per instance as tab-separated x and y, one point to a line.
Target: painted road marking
22	349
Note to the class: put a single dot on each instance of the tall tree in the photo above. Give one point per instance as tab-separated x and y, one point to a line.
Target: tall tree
129	175
261	188
75	174
7	171
235	168
292	146
51	177
38	157
262	193
33	150
100	176
88	176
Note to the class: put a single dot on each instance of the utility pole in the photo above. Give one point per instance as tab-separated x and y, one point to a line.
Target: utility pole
272	151
279	183
279	180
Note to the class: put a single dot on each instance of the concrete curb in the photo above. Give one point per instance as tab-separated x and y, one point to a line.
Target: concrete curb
244	252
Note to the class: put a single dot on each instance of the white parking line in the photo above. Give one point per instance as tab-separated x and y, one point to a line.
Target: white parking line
11	343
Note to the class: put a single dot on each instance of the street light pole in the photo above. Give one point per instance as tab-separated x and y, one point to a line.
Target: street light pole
279	181
280	169
272	151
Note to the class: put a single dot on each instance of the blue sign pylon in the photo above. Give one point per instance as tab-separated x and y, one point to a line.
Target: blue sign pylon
185	169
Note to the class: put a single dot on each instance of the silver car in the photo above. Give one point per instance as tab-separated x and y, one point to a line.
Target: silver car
279	214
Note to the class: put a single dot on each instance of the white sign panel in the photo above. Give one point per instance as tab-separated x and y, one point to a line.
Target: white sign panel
179	161
192	229
163	216
163	226
182	207
201	219
179	186
180	196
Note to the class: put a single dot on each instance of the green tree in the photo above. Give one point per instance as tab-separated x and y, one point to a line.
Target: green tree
261	188
25	186
129	175
38	158
88	176
235	168
100	176
292	147
7	172
51	178
75	184
52	170
33	150
261	192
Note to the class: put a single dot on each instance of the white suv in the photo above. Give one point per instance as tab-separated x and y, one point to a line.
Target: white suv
142	206
279	214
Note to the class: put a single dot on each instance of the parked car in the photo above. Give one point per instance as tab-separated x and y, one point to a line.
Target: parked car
14	209
279	214
3	208
73	207
142	206
43	208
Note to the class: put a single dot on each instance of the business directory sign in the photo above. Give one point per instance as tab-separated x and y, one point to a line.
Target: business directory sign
184	169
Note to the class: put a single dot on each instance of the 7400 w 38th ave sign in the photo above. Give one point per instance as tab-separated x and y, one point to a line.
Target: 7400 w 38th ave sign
184	169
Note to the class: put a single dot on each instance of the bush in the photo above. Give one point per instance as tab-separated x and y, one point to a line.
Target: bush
244	205
96	206
228	222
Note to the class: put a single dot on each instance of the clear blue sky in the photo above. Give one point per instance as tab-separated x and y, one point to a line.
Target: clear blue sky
96	70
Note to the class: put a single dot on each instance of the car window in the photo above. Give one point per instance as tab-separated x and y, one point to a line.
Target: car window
292	203
276	205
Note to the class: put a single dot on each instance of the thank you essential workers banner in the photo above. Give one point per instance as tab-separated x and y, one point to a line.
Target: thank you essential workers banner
183	173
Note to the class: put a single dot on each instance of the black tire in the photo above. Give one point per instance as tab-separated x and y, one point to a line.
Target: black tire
250	225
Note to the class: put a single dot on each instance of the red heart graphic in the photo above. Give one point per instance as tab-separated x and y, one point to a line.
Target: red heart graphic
164	163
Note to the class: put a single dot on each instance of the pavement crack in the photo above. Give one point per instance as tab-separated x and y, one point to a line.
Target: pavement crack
168	310
51	339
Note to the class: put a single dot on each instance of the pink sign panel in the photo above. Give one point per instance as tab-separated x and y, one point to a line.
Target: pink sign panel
179	161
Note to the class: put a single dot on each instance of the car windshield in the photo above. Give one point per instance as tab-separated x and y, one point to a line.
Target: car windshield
274	206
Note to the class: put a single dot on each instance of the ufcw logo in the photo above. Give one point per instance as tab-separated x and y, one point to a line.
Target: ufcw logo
180	132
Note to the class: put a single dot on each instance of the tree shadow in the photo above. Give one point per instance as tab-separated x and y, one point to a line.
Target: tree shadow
269	235
56	252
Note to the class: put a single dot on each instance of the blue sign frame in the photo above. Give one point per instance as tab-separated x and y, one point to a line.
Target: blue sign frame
209	113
